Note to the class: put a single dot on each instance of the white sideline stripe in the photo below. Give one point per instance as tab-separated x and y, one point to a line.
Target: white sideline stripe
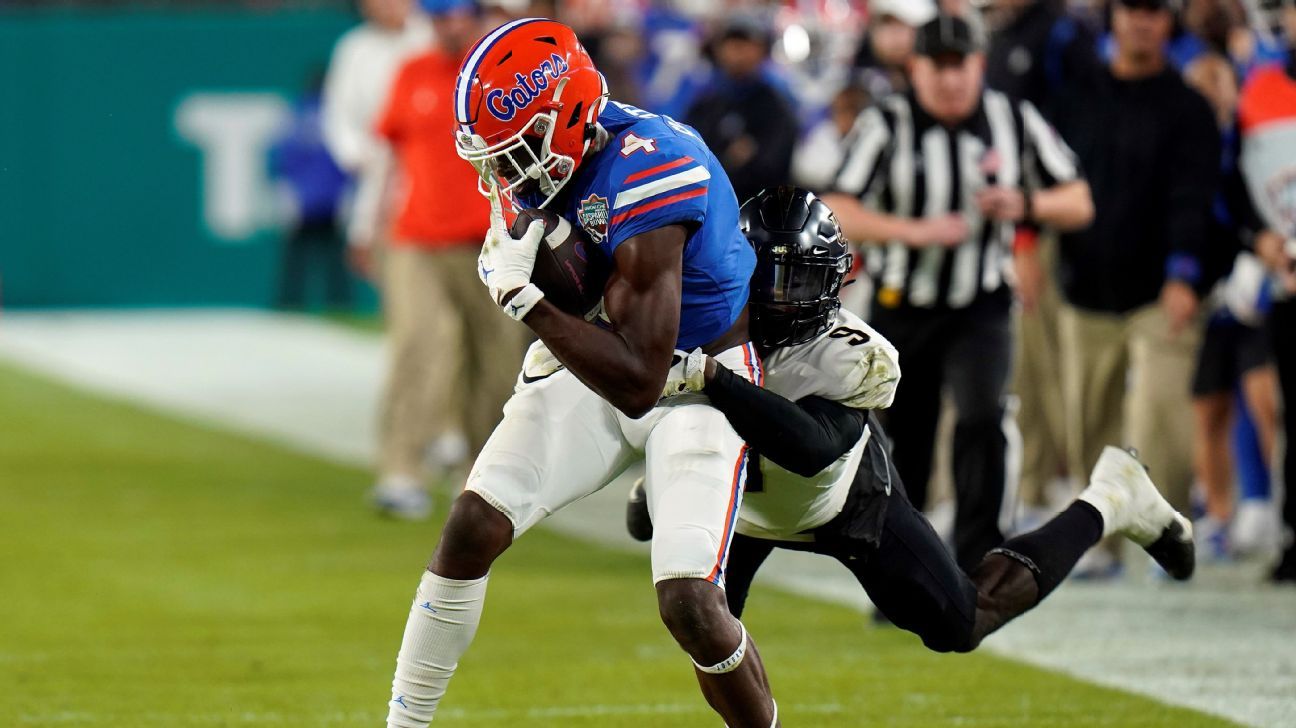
1224	644
692	175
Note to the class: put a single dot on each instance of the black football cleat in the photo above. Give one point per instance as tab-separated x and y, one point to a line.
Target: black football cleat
638	522
1285	571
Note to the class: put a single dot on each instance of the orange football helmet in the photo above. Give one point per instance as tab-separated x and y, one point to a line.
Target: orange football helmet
526	101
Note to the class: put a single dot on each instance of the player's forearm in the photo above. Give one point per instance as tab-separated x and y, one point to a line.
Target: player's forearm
803	437
868	226
602	358
1068	206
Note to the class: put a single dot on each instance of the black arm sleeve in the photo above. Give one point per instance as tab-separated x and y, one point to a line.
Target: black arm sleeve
804	437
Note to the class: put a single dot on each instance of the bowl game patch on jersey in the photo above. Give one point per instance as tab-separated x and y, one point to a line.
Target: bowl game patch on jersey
592	214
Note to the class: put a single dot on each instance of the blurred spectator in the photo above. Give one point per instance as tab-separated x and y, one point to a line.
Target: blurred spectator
613	33
1260	40
743	118
1267	122
1133	280
360	73
315	185
934	180
819	154
453	352
884	52
1039	54
1234	364
1235	377
364	62
672	69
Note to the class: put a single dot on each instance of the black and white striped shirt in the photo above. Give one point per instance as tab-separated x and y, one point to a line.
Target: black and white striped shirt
901	161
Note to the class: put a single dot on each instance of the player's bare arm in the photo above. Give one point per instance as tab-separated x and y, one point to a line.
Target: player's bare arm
627	363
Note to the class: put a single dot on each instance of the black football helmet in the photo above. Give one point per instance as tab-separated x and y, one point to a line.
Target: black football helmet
801	259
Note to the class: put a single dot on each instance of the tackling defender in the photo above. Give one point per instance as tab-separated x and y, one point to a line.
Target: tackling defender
822	481
534	119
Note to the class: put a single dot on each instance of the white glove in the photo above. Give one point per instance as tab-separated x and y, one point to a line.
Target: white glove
686	375
505	263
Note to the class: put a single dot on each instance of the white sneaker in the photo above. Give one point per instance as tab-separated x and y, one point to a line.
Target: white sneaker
1257	528
407	501
1130	505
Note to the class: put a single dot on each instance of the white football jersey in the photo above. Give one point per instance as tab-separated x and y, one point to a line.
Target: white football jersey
850	363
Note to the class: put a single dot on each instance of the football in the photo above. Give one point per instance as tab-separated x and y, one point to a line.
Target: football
568	268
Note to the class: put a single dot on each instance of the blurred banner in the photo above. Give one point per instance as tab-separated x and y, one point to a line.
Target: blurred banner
133	152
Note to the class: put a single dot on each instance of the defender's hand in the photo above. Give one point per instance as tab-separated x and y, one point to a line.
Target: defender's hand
505	263
686	375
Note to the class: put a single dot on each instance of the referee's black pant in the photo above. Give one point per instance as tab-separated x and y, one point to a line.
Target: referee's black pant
968	351
1282	320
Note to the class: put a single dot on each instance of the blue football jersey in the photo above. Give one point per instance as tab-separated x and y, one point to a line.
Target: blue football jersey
655	172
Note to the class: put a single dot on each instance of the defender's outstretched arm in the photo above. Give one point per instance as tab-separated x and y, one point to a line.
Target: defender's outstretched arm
804	437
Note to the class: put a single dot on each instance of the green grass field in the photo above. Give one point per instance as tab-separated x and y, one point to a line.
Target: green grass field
160	573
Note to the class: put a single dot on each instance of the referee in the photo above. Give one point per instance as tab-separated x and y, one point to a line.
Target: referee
935	183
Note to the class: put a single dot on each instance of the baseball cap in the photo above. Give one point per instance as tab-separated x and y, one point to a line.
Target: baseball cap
946	34
910	12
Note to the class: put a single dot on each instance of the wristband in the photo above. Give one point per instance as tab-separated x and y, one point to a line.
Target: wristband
1028	207
523	301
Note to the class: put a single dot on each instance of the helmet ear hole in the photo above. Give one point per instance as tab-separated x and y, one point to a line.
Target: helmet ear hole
575	117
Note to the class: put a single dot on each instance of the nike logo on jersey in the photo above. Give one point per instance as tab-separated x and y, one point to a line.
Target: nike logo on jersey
428	606
527	379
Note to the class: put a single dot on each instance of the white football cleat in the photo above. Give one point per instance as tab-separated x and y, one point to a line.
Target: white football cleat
1131	506
400	501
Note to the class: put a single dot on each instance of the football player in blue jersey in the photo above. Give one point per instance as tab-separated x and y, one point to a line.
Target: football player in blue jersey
534	119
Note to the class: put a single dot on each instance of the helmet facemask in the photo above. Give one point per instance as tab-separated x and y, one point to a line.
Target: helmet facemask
793	301
801	261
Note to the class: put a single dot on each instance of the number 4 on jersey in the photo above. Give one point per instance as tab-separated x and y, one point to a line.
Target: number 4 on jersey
631	144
